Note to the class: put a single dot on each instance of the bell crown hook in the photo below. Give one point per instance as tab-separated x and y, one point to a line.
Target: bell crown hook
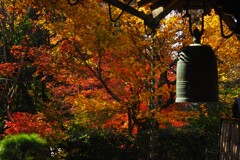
196	36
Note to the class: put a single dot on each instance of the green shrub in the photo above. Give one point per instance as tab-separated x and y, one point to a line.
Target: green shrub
96	144
24	147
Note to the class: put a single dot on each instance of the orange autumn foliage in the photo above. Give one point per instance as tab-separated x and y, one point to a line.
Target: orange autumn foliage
23	122
86	54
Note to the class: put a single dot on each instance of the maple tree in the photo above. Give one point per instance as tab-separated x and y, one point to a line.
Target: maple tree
105	62
70	66
20	39
23	122
92	52
23	90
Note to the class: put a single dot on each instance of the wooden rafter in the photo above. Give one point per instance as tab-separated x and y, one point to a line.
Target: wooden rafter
160	8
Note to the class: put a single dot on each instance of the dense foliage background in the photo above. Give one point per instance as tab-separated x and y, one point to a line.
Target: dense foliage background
83	83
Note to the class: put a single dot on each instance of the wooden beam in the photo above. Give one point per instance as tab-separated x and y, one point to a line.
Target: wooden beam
173	5
148	19
144	2
160	3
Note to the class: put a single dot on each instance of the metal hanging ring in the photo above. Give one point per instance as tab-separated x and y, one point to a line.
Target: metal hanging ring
221	27
190	19
152	32
123	10
72	2
190	23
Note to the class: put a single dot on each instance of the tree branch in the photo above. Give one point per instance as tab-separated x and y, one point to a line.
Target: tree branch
114	96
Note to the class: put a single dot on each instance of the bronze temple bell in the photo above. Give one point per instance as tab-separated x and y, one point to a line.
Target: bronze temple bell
197	75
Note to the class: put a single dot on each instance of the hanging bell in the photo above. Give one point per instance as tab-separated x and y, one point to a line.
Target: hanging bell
197	76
